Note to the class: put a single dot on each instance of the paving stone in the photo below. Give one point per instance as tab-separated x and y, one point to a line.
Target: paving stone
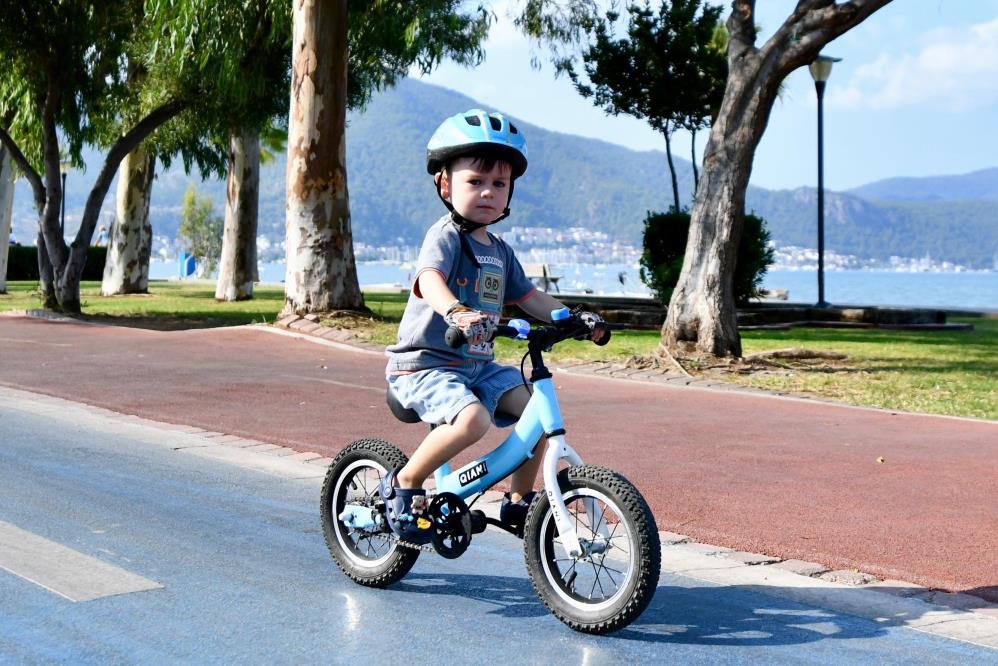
312	317
244	443
959	600
751	559
223	439
322	462
305	456
848	577
672	538
707	549
282	451
262	447
899	588
801	567
300	323
308	327
286	321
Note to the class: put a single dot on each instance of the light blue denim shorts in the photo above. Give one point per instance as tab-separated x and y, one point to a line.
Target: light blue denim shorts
439	394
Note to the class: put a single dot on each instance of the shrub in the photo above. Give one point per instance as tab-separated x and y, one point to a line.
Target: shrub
665	239
22	263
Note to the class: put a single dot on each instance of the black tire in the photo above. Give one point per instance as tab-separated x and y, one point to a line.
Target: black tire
368	559
618	598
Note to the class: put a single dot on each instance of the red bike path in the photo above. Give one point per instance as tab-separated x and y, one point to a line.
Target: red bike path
794	479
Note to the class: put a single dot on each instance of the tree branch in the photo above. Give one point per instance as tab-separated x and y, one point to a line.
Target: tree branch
741	29
821	22
37	186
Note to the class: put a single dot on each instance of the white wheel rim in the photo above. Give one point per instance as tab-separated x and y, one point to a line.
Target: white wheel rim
348	545
555	577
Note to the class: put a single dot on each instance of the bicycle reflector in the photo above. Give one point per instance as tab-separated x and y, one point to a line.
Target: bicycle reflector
522	328
560	314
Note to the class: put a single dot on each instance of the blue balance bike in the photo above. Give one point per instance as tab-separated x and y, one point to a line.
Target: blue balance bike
590	541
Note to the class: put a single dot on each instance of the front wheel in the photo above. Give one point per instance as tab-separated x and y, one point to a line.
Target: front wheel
368	556
613	580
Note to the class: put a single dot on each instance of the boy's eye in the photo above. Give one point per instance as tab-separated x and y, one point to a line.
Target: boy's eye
499	183
475	181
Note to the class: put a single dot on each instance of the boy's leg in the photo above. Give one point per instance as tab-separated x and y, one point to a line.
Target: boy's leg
443	443
522	481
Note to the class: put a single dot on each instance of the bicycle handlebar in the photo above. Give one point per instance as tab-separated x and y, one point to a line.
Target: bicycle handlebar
454	337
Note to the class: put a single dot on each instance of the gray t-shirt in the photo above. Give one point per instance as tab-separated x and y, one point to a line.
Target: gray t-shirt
496	280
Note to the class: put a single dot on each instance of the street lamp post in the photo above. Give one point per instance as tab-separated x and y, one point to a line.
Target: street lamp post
64	167
821	68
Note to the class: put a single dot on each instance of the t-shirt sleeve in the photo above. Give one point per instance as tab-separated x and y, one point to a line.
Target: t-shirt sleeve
439	252
518	286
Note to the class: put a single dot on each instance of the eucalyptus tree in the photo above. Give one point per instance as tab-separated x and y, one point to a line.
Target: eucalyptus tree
386	38
62	78
664	71
702	318
249	65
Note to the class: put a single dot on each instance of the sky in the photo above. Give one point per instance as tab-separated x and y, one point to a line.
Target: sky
916	94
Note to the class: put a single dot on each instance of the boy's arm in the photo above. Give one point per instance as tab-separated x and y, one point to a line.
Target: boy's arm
540	304
434	290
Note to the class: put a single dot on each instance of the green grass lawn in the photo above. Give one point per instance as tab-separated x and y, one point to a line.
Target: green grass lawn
952	372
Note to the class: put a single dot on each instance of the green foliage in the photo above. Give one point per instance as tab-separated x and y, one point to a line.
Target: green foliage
667	70
388	38
22	263
665	245
200	230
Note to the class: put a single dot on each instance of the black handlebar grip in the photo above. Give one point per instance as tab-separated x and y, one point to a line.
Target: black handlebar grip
454	337
606	337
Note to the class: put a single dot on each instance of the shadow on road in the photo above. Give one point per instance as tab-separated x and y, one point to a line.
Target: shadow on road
701	615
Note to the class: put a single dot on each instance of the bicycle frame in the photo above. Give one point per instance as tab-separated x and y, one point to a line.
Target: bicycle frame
542	415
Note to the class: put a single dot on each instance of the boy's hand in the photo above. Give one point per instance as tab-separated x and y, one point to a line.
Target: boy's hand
476	325
598	332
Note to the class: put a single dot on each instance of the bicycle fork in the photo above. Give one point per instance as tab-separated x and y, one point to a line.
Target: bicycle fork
557	449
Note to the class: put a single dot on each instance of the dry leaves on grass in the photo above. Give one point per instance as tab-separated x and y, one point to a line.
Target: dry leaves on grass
776	361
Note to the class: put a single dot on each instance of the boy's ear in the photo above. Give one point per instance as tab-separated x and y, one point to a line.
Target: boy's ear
443	182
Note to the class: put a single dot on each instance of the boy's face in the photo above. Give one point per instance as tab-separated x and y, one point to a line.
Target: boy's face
477	195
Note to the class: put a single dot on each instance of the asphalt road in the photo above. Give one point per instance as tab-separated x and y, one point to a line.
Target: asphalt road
235	570
793	479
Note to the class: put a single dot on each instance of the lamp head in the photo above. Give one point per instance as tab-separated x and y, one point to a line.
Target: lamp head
821	67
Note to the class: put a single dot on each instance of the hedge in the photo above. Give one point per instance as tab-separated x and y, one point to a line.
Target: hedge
665	245
22	263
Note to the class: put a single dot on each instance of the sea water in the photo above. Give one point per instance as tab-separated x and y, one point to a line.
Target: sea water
976	290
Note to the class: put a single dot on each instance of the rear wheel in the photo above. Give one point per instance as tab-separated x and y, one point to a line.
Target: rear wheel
368	556
613	580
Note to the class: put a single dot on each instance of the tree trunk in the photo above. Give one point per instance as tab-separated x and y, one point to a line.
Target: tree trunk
237	267
130	237
321	271
693	161
6	210
672	167
702	311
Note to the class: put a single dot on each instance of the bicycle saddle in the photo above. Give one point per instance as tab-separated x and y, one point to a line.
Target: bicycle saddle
400	412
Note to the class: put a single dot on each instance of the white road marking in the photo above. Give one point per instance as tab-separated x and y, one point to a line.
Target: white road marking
379	389
62	570
36	342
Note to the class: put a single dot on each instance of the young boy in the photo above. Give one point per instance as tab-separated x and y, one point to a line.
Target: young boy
463	278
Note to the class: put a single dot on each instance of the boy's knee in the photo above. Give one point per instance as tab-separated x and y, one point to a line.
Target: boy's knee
473	420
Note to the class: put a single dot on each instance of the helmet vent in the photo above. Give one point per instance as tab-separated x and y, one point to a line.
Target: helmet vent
474	120
512	129
496	123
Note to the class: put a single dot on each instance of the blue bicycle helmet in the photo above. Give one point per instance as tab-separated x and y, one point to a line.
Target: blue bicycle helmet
479	133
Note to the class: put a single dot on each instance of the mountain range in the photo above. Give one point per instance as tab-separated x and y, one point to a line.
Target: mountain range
579	182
